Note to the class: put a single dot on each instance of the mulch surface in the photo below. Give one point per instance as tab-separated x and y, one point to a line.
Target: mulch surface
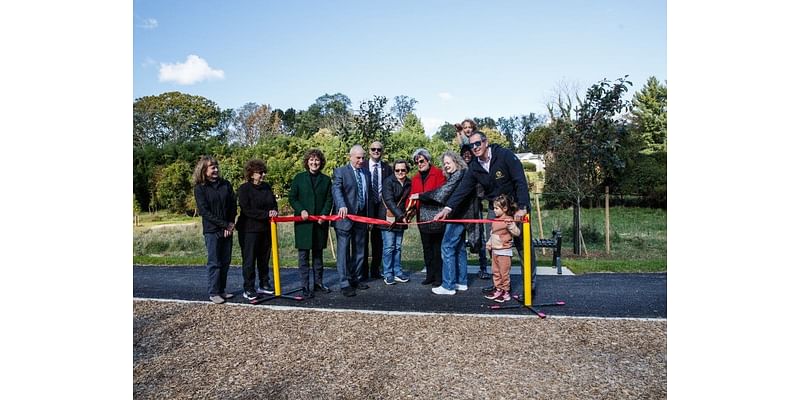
200	350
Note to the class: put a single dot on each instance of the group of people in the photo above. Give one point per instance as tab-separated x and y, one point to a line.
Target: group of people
370	187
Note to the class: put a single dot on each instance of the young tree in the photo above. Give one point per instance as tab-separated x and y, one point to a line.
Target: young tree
584	152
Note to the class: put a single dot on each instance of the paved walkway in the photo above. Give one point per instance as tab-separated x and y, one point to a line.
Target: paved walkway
619	295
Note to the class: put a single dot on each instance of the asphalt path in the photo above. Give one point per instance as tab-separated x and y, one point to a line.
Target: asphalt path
617	295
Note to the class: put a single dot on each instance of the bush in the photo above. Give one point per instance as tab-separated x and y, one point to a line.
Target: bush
531	167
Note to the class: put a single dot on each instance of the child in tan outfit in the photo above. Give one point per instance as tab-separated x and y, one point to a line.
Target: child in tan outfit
500	244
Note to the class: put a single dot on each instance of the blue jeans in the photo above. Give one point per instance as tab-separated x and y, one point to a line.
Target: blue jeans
454	257
219	260
392	249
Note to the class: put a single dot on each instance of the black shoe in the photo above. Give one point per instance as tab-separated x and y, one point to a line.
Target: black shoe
362	286
436	283
488	289
308	294
427	281
363	279
318	287
484	275
348	292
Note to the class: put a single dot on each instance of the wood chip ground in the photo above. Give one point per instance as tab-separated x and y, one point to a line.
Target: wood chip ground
206	351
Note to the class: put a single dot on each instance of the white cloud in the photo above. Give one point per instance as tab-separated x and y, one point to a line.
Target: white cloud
194	70
149	23
445	96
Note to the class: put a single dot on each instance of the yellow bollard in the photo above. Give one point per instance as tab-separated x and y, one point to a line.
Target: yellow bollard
526	261
276	274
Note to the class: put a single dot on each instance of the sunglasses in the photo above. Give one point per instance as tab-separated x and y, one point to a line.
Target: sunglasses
475	145
422	161
401	170
376	149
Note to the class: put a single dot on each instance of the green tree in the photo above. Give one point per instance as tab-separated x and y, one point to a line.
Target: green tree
403	105
650	116
372	122
446	132
173	117
585	152
173	185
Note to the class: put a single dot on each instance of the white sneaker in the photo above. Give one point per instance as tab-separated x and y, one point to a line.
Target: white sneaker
261	290
461	288
442	290
217	299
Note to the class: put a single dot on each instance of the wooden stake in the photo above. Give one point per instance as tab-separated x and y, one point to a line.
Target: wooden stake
539	215
608	225
330	240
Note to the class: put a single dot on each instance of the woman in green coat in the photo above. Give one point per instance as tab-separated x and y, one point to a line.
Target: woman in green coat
310	194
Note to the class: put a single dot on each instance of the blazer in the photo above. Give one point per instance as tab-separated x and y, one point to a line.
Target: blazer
345	194
317	200
386	170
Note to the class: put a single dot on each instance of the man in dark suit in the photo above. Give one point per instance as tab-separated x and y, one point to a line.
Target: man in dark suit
351	195
377	170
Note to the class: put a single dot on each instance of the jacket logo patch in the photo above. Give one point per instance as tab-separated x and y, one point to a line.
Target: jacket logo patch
498	175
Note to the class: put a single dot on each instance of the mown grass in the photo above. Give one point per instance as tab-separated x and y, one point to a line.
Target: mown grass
638	241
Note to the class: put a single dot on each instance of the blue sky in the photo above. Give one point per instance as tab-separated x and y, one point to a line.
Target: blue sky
458	59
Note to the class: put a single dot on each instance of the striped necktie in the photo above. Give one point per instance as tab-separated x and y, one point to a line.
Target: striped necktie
375	189
360	190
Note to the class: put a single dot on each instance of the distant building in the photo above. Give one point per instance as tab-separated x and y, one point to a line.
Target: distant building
537	159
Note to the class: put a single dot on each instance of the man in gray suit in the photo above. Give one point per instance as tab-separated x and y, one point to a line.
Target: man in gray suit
351	195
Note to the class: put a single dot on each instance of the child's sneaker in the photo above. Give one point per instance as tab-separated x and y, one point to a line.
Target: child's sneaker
504	297
493	295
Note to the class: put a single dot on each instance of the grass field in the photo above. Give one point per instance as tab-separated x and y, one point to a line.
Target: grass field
638	241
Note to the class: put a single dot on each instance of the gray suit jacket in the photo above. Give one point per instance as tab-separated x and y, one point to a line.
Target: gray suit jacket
345	195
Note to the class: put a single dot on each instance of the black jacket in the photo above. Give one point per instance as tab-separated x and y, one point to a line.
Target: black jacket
505	176
439	196
216	204
255	203
394	196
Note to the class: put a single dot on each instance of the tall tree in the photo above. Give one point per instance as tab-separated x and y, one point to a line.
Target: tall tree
254	122
372	122
650	116
446	132
173	117
403	105
334	112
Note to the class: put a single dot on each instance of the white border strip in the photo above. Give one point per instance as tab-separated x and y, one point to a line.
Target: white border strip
414	313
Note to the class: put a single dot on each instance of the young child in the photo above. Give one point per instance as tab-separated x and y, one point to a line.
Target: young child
500	244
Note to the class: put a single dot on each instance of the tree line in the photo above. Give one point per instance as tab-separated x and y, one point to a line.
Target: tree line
590	141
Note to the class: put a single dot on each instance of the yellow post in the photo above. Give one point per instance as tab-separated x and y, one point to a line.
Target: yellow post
276	273
526	264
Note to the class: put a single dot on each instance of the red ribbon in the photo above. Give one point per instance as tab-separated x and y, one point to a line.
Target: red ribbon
375	221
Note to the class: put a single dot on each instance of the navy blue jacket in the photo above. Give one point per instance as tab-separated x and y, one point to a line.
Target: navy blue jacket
505	176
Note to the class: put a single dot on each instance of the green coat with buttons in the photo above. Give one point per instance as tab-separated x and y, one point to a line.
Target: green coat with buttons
316	199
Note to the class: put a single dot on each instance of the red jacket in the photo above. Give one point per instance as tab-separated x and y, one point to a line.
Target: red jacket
434	180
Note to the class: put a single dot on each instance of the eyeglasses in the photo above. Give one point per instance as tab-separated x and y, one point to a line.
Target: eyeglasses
422	161
401	170
475	145
376	149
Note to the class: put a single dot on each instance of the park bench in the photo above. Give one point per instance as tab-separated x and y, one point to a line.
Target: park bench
553	243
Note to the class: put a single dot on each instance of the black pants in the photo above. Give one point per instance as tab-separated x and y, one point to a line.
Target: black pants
432	252
255	254
373	270
303	266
